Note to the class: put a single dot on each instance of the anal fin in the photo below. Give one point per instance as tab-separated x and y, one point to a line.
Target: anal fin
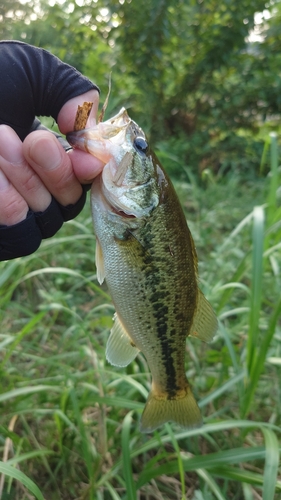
120	349
205	323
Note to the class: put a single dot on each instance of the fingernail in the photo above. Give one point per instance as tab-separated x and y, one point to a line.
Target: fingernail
46	153
4	183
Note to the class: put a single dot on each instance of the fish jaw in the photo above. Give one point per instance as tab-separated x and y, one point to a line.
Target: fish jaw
98	142
105	140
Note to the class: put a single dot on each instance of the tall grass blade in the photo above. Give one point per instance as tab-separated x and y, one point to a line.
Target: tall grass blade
255	303
7	272
127	463
210	461
27	456
67	272
221	390
261	353
247	491
256	286
271	464
211	483
111	490
115	401
84	442
272	195
237	275
264	154
24	391
180	465
25	331
223	426
241	475
10	471
240	375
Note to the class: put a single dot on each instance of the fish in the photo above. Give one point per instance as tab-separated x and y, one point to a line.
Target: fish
146	254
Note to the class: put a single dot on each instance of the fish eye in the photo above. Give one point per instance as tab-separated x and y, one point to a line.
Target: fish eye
140	145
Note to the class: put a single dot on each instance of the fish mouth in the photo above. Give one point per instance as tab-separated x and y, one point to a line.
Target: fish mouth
107	204
119	210
121	119
122	214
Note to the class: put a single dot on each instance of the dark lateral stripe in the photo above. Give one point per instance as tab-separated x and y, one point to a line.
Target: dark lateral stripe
160	313
160	310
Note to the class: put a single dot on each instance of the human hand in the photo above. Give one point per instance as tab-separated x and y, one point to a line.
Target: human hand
37	169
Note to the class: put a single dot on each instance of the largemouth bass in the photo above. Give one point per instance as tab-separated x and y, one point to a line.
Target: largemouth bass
146	254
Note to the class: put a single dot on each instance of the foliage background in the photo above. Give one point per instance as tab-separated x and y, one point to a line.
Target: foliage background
203	79
189	70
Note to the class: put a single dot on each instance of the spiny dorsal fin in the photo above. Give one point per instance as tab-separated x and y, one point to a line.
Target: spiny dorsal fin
99	263
205	323
120	349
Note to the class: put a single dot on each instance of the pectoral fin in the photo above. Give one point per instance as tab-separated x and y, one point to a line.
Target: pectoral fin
205	323
99	263
120	350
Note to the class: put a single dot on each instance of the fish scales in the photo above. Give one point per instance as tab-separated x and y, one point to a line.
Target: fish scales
146	253
158	283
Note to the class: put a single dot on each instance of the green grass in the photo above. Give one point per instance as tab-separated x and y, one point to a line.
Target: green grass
69	425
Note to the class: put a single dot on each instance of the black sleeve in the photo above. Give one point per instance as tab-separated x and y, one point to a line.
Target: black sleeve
33	82
25	237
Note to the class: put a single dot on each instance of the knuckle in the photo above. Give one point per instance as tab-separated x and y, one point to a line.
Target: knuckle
66	188
29	183
13	208
65	179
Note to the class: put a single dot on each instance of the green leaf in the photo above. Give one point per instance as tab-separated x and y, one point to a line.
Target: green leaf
207	477
227	386
20	335
211	460
117	402
272	195
239	474
255	308
112	491
85	443
261	353
271	464
28	456
179	457
25	391
10	471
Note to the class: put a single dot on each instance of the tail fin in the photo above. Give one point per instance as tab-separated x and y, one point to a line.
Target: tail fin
159	410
